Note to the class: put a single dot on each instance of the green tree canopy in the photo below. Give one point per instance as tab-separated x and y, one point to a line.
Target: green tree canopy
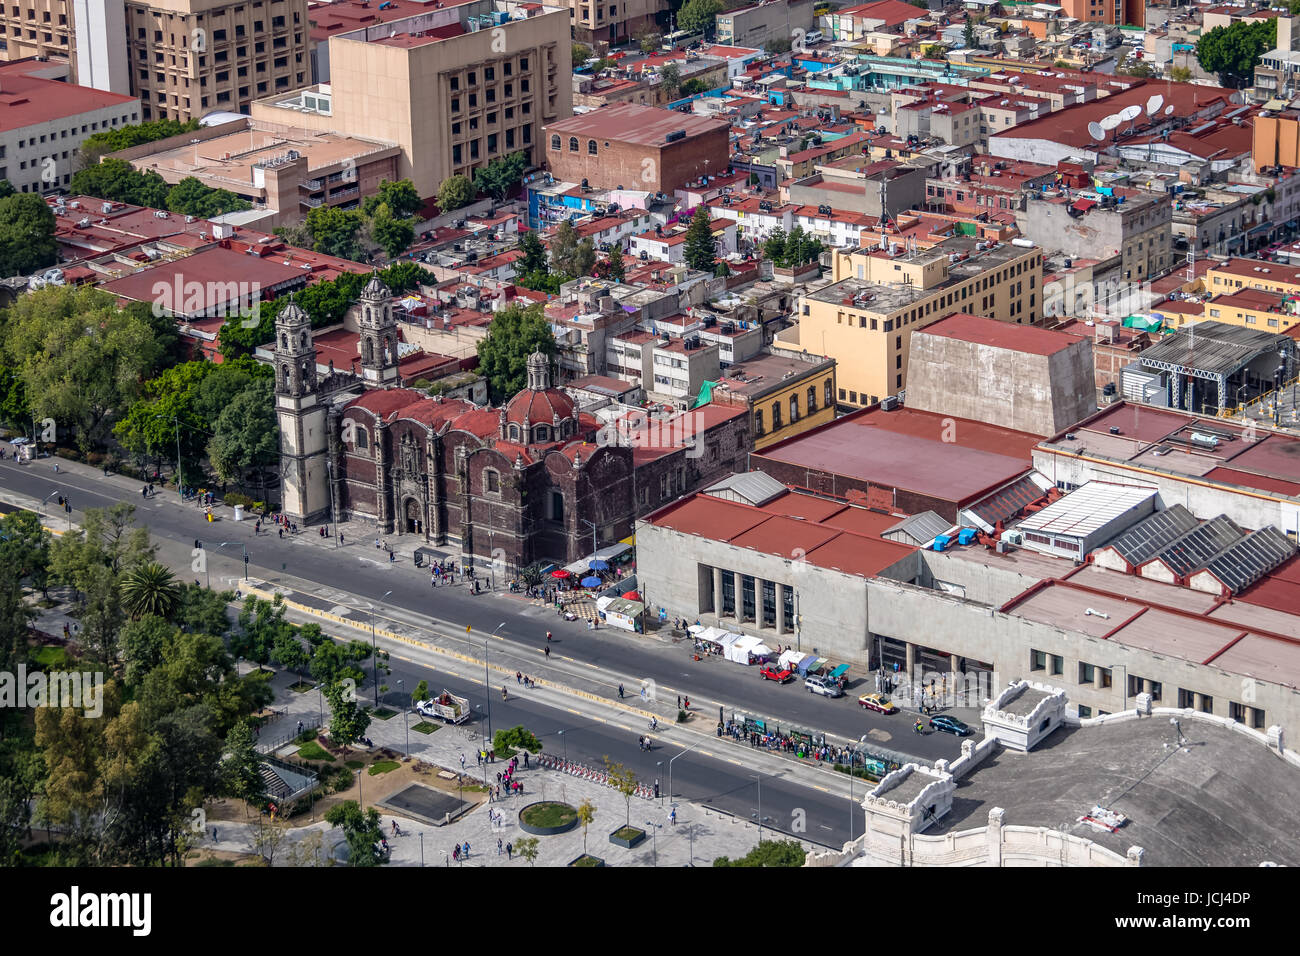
700	248
571	254
118	181
501	175
455	192
769	853
362	831
191	198
534	259
670	78
1234	51
336	232
245	435
124	137
394	235
697	16
515	333
26	235
400	197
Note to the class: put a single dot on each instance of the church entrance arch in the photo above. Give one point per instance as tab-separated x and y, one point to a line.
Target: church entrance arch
413	517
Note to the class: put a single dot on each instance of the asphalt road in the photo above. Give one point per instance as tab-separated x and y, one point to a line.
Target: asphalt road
696	778
355	569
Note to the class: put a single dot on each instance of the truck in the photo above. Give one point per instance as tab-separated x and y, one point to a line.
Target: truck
446	706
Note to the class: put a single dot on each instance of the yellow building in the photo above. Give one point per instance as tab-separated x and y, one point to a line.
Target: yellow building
864	320
1254	309
787	393
1237	273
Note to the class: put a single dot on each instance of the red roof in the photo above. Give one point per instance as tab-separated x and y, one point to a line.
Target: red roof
539	407
1001	335
27	100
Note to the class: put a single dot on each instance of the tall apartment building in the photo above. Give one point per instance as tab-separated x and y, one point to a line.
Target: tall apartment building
1119	12
454	86
880	296
612	21
183	58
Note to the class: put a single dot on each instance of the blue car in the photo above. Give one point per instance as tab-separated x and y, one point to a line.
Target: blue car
950	725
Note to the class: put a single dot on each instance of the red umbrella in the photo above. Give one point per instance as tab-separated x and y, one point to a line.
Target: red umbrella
560	573
632	596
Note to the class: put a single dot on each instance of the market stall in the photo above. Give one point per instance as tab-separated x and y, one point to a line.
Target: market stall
624	614
748	650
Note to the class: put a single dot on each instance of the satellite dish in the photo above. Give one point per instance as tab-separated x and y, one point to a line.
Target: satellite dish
1130	113
1096	132
1154	104
1110	122
1169	110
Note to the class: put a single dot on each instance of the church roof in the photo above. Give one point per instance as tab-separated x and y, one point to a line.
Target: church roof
539	406
375	289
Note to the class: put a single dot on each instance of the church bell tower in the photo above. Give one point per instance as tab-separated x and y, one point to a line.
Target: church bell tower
302	417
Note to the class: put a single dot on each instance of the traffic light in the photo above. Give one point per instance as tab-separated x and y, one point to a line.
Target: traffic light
67	506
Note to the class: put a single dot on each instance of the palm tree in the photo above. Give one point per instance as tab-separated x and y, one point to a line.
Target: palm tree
149	588
531	576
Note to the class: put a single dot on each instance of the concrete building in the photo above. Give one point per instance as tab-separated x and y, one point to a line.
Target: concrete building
463	85
638	147
284	171
879	297
44	122
1134	225
1029	379
599	21
881	189
755	26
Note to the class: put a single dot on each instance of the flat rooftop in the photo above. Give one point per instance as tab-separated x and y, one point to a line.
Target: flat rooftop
233	156
1023	704
754	377
905	449
631	123
1218	801
1000	335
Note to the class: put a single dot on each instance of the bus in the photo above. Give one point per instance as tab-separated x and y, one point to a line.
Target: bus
680	39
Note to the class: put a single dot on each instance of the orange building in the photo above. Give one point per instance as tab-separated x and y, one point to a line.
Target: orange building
1119	12
1277	140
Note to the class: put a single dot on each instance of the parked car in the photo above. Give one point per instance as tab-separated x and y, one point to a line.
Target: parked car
950	725
878	702
778	674
824	686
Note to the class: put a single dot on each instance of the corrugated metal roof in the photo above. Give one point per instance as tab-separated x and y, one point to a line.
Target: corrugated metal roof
1087	509
1245	562
919	528
1008	501
1149	536
1198	547
1212	347
756	487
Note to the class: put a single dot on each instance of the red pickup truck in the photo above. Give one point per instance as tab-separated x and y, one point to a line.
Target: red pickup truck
779	674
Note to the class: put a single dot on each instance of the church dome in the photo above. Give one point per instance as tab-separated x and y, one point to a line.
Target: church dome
538	407
375	289
293	314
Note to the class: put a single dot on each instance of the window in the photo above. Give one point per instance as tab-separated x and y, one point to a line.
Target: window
361	438
1087	673
573	144
776	415
758	421
1084	712
1037	660
491	481
812	399
829	393
1058	665
794	408
591	147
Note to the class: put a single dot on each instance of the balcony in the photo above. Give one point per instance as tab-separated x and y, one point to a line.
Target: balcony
311	185
345	193
312	202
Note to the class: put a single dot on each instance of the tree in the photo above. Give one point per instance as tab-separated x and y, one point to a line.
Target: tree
515	333
516	738
149	588
1138	68
625	781
501	175
700	249
118	181
694	87
191	198
400	197
774	246
614	267
1233	51
581	54
288	652
934	51
571	255
455	191
586	814
261	624
241	771
348	720
362	831
778	45
534	259
697	16
393	235
769	853
526	847
26	235
81	359
25	548
7	188
1181	74
421	692
335	232
648	39
124	137
968	35
141	645
670	78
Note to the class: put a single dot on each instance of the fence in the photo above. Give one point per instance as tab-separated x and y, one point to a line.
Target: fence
585	772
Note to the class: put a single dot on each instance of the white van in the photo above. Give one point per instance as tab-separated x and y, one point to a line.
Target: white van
813	38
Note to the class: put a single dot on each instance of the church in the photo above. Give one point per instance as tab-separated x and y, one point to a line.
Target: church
525	482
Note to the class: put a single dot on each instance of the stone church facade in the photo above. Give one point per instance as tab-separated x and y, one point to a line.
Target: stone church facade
525	482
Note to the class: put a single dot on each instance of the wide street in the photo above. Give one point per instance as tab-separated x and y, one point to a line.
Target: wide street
355	575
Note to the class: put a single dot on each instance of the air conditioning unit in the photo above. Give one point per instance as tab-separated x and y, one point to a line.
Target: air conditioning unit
1013	537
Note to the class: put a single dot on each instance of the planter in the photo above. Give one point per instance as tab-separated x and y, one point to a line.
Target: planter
627	837
550	818
587	860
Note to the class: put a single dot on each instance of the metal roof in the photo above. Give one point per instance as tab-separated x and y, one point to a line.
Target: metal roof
1198	547
920	528
1087	509
1209	349
1245	562
756	487
1149	536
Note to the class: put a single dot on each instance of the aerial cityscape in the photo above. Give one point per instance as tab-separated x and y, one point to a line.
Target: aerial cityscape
494	434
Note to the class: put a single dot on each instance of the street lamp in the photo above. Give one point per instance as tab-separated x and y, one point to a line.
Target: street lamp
487	684
374	648
760	805
592	525
660	794
566	745
654	833
329	472
406	719
361	800
670	768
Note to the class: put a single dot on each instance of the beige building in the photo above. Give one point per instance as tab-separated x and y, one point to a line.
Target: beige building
36	28
612	21
880	296
454	87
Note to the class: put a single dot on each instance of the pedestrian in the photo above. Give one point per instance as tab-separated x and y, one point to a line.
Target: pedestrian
281	533
688	703
340	539
672	817
620	691
525	759
377	545
679	701
467	849
462	761
478	757
519	678
455	853
510	851
492	755
214	834
656	789
499	846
